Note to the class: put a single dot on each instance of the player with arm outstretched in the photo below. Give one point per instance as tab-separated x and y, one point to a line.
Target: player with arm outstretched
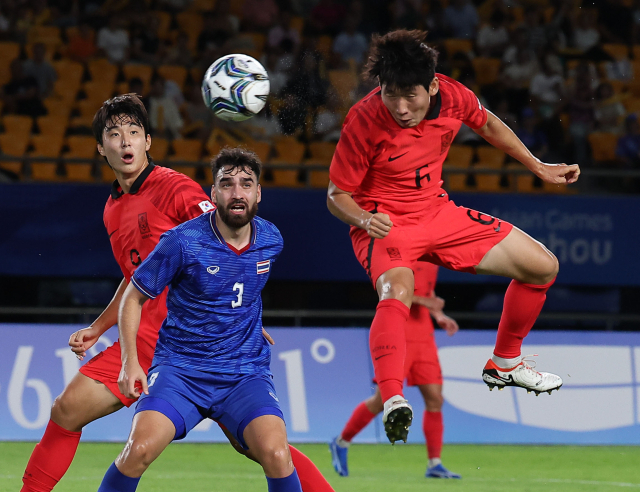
145	201
211	360
386	183
421	369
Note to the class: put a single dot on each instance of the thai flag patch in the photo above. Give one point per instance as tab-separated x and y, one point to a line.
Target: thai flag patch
263	266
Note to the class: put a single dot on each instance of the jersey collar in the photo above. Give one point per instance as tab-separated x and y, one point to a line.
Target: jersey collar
218	234
435	111
116	190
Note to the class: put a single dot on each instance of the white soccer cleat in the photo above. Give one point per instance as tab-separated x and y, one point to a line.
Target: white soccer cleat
397	418
523	375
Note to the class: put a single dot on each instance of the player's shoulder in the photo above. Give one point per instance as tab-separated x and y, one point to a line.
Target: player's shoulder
163	178
192	226
368	108
449	85
266	232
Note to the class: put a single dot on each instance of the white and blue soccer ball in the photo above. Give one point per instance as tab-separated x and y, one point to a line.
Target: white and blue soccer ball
235	87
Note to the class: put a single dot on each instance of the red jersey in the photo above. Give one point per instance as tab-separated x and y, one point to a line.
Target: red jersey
397	170
419	327
159	200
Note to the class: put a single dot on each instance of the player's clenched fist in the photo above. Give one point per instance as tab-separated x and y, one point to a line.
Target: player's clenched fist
83	340
559	173
378	225
130	374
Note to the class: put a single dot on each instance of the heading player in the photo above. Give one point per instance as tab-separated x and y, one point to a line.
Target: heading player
386	183
421	369
211	359
146	200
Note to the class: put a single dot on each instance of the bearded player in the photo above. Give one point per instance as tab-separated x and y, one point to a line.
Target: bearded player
146	200
422	369
386	183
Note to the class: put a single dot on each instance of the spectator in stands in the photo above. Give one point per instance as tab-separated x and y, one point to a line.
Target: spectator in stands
434	21
609	111
628	147
136	86
615	20
40	69
350	45
5	25
82	46
493	38
218	27
164	115
501	110
21	94
519	42
179	53
113	41
197	118
283	31
327	16
581	109
534	28
547	89
145	44
328	120
585	35
534	139
259	15
280	62
406	13
516	77
461	18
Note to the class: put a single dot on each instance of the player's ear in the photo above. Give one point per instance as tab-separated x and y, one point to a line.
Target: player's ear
148	144
100	149
213	193
259	193
434	86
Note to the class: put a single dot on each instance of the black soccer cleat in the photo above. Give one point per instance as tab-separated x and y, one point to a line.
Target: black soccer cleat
397	418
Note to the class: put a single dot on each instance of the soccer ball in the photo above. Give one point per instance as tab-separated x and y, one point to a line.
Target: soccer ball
235	87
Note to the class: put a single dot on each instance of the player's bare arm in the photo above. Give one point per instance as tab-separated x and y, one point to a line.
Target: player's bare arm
344	207
501	136
82	340
128	324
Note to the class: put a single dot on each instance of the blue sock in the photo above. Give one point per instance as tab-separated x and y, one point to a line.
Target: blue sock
115	481
286	484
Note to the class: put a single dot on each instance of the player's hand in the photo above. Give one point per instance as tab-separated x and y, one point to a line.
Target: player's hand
446	323
559	173
267	336
83	340
433	303
378	225
131	374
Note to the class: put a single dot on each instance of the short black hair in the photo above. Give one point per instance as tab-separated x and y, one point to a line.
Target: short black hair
401	59
237	158
118	108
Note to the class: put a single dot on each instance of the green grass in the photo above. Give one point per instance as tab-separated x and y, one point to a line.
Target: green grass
216	467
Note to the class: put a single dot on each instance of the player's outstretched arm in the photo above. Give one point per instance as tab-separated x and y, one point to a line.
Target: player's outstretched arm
128	324
82	340
500	135
345	208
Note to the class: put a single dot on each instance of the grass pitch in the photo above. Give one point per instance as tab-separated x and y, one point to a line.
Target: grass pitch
216	467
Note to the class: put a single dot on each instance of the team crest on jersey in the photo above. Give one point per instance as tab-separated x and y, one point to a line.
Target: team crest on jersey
394	254
263	266
445	141
143	225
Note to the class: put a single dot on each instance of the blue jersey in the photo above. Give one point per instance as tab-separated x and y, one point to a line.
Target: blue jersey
214	319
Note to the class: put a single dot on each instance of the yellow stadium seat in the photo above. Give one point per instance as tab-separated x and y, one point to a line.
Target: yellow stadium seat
79	171
262	149
159	149
324	46
37	33
9	50
288	150
52	124
489	156
454	45
88	107
343	81
186	150
317	174
322	151
81	147
13	145
455	177
57	107
17	124
44	171
459	156
236	8
603	146
619	51
522	183
103	70
45	146
176	73
98	90
487	182
143	72
165	19
202	5
106	173
487	70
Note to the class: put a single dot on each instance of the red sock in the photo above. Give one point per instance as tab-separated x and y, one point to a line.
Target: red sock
50	459
433	429
359	419
388	347
310	477
522	305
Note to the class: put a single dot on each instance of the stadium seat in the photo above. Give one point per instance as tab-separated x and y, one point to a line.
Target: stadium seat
159	149
343	81
81	124
103	70
98	90
79	172
81	147
556	188
318	177
186	150
191	23
13	145
88	107
322	151
202	5
52	124
289	153
324	46
45	146
454	45
262	149
632	104
489	156
297	23
57	107
176	73
487	70
522	183
9	50
143	72
619	51
455	177
603	146
165	20
17	124
236	8
106	173
38	33
459	156
487	182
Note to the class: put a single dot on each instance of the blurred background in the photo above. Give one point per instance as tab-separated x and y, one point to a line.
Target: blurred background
563	74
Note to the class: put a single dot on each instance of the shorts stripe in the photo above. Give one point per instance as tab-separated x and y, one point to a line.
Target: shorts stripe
370	248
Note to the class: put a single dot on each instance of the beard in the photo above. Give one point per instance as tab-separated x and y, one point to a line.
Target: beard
237	221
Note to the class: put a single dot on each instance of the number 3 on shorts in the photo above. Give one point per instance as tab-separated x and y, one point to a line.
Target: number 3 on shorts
238	286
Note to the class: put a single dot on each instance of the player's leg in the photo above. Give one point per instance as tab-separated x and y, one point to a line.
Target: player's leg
533	269
82	401
433	428
360	418
266	437
151	433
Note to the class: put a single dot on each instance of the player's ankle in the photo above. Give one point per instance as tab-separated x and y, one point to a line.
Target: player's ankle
506	363
342	443
434	462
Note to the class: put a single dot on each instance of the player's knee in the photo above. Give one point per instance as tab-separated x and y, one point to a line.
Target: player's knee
397	290
548	269
63	412
136	456
434	402
275	459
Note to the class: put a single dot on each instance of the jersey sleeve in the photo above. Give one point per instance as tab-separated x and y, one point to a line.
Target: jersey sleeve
474	115
162	265
189	201
351	160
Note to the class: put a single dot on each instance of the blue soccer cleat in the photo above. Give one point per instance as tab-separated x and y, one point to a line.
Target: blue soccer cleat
339	458
439	471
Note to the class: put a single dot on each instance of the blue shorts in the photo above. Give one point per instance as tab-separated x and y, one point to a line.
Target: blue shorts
188	396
